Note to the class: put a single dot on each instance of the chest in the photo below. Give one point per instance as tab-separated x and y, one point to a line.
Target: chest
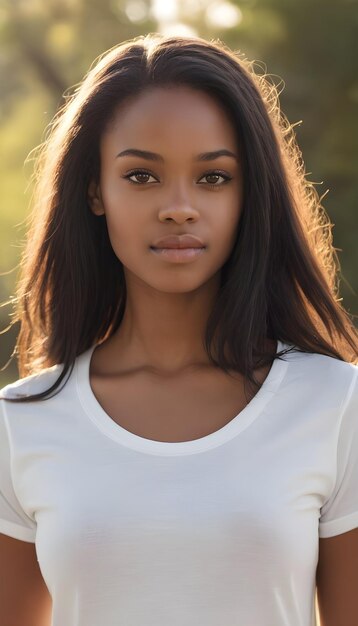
172	409
145	521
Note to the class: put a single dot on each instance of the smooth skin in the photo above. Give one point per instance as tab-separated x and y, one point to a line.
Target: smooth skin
24	597
168	304
158	347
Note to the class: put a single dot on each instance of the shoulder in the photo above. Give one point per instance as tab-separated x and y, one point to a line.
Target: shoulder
323	373
320	363
32	384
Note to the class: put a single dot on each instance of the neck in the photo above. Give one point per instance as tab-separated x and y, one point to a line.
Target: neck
163	332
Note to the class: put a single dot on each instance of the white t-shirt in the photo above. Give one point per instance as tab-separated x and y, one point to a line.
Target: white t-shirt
223	529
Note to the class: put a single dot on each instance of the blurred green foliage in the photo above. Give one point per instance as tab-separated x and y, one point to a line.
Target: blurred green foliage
309	47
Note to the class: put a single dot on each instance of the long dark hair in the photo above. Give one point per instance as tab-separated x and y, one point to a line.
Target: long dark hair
281	279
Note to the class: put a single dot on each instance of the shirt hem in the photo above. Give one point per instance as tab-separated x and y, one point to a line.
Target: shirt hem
16	531
338	526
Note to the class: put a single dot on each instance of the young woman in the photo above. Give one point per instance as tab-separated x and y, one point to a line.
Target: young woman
182	445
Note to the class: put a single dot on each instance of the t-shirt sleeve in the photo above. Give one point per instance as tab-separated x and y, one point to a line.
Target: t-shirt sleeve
13	519
339	514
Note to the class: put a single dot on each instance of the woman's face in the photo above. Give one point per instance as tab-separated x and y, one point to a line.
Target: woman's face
173	193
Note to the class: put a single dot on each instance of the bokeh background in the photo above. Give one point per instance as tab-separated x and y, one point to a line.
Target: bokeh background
308	47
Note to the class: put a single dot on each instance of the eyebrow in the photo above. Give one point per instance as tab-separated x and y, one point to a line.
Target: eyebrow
153	156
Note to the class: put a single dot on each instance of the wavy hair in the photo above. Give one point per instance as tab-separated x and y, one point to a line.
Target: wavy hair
281	279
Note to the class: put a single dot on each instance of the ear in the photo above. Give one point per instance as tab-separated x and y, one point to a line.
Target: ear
95	198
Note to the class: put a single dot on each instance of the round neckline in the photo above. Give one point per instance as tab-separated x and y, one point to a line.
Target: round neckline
236	425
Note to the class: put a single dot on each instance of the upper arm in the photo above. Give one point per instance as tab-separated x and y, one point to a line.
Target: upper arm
337	579
24	596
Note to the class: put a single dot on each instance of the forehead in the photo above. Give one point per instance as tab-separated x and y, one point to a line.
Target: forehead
178	114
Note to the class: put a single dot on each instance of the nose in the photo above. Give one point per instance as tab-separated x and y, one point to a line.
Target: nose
179	209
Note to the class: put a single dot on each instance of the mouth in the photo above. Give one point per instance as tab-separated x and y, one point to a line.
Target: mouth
185	240
178	255
177	248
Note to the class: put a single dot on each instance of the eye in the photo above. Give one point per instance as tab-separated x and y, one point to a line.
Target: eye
142	173
217	174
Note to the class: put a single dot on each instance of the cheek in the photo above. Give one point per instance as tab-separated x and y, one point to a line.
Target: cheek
126	233
225	247
122	231
226	219
121	215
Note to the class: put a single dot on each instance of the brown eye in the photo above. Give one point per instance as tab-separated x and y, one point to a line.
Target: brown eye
139	174
214	176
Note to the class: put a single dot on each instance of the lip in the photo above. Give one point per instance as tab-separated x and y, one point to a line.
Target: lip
178	242
178	255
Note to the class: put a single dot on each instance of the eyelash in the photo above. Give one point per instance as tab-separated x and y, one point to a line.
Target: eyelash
210	173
